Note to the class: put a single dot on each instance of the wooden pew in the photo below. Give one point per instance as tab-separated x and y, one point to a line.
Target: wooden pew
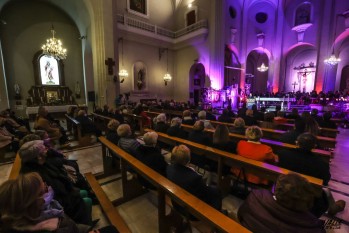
109	210
262	169
102	121
323	131
274	134
326	155
165	187
84	140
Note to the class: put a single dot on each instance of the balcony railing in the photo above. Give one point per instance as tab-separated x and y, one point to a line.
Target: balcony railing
135	23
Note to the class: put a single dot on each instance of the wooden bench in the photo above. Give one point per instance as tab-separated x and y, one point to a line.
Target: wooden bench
165	187
101	121
262	169
275	134
326	155
83	140
323	131
108	208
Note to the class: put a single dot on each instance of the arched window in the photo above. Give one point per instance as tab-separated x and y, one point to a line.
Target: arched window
303	14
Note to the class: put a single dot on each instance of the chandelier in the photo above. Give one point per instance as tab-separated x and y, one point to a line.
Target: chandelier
53	47
262	68
122	73
332	60
167	77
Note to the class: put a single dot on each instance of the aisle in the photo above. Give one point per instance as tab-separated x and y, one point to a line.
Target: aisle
339	183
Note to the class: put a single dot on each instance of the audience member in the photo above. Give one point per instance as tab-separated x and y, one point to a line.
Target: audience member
222	141
209	115
7	139
181	174
87	126
202	117
198	135
259	116
161	125
151	156
187	119
43	123
225	117
249	119
285	210
127	142
314	114
112	134
326	121
253	149
26	205
33	156
303	161
294	114
239	126
291	136
268	121
311	126
175	129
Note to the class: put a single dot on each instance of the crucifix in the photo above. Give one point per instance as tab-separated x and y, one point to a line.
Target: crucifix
294	85
110	63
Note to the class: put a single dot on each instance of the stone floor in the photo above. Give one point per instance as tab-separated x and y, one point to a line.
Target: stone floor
141	213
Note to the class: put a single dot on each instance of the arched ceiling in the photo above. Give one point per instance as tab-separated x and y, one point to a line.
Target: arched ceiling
76	10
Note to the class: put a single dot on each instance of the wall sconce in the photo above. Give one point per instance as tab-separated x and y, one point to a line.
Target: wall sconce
123	72
167	77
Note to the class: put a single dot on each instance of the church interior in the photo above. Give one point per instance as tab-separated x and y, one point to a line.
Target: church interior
145	58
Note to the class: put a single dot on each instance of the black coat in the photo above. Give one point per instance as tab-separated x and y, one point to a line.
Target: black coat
305	162
152	157
161	127
192	182
176	131
113	136
65	192
290	137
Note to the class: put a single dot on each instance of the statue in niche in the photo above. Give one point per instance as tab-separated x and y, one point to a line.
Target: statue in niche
302	14
140	79
77	90
17	92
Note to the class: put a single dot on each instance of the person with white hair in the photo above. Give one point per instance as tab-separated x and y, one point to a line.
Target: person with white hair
184	176
34	158
175	129
151	156
202	117
127	142
161	125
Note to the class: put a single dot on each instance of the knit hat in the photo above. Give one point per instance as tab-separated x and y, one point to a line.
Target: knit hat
30	150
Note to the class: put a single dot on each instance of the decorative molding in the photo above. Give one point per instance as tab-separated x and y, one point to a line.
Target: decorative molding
300	29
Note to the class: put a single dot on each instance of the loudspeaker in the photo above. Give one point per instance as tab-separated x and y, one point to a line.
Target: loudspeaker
91	96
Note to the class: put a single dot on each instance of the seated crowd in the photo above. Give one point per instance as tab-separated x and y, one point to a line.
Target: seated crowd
292	204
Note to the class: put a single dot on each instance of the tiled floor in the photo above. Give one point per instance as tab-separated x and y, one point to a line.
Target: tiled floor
141	213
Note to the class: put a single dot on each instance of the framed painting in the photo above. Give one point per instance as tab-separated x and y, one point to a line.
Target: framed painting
138	7
48	71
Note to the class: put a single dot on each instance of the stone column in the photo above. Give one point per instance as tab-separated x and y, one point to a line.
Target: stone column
102	48
216	72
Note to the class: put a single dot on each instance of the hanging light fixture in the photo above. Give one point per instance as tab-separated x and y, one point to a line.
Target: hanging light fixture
53	47
167	76
123	72
332	60
262	68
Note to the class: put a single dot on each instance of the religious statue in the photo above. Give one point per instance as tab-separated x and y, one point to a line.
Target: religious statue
77	90
17	92
140	79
